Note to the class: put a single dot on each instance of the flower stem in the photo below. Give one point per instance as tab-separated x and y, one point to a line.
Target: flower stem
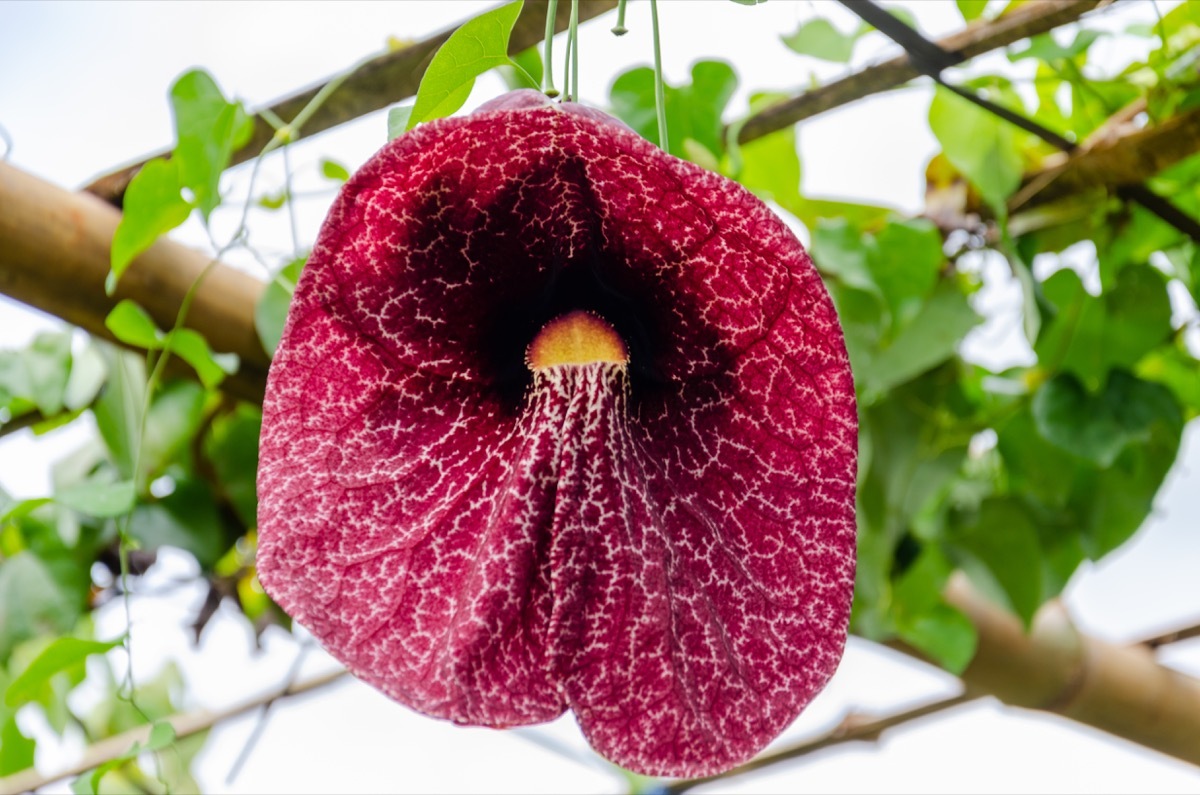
660	97
548	59
574	34
567	68
619	29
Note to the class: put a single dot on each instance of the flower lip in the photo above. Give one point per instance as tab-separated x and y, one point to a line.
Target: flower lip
577	337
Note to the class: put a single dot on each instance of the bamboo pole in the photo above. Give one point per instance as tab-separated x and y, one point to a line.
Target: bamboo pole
1121	690
54	256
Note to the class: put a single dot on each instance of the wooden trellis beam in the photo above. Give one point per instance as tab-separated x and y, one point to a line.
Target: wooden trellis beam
392	77
54	255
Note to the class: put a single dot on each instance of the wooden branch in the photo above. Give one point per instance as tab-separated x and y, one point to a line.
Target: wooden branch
853	728
977	38
185	724
21	422
390	78
1175	636
54	256
1113	161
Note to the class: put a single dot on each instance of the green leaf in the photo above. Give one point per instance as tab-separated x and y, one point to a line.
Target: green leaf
1112	503
11	510
118	409
1098	427
475	47
331	169
971	9
1005	540
99	499
769	166
48	366
931	338
1045	48
33	601
1175	368
273	201
943	633
982	146
820	39
154	205
88	374
397	120
526	70
1036	468
186	518
16	750
232	447
271	312
130	324
694	111
191	346
60	655
924	620
1089	336
208	130
905	258
174	418
162	734
838	248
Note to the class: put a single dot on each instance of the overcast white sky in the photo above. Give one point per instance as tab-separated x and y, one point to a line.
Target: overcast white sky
83	88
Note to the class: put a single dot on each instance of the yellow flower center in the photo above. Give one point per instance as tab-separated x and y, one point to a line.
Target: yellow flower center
575	338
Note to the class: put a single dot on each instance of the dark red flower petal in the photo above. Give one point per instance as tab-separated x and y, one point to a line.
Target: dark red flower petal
666	548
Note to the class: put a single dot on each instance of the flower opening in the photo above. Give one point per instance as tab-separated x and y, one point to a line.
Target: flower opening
654	530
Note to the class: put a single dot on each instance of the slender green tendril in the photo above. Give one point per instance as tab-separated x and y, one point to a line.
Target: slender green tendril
574	38
619	29
284	134
567	68
548	57
660	96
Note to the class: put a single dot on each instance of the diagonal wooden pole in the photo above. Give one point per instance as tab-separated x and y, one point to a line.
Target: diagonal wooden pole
54	256
392	77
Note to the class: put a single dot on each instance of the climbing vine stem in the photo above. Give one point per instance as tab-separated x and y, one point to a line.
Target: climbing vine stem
548	57
574	38
619	29
660	98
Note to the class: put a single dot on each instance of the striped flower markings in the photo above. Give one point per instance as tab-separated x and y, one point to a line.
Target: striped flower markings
559	421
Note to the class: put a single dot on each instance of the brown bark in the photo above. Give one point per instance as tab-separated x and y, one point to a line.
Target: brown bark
390	78
54	255
1113	161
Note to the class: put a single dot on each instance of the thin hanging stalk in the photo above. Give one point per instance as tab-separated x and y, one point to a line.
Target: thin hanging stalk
548	58
660	97
574	34
619	29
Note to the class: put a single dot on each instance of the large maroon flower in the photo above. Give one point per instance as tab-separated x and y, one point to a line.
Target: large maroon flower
649	520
